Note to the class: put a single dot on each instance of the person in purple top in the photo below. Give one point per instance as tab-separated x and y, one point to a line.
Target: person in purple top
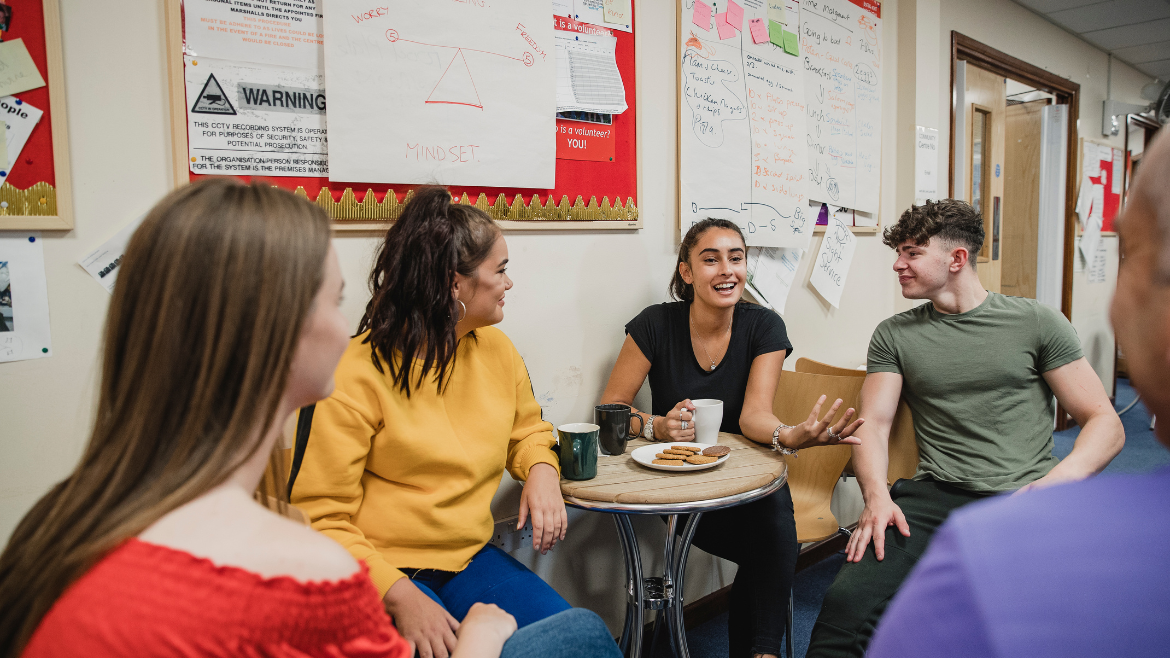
1078	569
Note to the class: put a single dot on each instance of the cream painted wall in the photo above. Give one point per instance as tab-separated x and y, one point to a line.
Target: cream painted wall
573	293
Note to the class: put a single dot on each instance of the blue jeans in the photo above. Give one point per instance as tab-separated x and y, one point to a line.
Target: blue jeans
493	576
574	633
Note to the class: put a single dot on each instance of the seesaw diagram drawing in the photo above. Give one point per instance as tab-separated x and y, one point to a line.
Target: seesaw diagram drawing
457	86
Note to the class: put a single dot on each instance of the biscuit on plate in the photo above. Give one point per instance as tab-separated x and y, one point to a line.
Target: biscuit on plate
681	453
717	451
688	448
663	455
700	459
668	462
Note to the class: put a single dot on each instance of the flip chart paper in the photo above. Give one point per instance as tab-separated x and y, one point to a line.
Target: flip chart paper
103	263
701	16
833	260
741	144
17	71
442	92
734	15
771	271
285	33
20	118
725	30
24	298
255	119
758	30
588	79
841	52
593	11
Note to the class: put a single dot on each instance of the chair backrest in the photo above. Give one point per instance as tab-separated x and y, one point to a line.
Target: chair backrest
819	368
813	473
903	446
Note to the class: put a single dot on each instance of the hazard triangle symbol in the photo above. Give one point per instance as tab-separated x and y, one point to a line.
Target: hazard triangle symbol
456	86
212	100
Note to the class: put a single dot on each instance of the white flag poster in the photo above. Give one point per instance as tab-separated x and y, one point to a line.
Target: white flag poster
454	93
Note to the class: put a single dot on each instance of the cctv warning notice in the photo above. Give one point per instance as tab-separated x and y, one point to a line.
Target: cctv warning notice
257	120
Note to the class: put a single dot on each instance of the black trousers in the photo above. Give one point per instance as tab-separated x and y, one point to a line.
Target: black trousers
760	537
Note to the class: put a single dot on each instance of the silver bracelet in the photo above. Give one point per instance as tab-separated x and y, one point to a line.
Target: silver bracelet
648	431
776	441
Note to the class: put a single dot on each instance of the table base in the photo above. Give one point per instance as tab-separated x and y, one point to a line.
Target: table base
663	593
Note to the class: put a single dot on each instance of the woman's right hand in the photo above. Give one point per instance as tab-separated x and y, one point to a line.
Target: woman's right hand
420	620
669	427
484	631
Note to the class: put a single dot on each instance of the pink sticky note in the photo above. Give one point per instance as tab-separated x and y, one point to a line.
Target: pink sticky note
759	30
734	15
725	30
702	15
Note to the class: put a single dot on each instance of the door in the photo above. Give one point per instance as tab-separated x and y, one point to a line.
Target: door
1021	198
985	96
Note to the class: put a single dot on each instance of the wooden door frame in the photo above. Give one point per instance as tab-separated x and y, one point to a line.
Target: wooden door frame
1067	92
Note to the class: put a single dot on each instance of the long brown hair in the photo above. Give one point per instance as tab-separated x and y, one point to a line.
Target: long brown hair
412	308
679	288
213	290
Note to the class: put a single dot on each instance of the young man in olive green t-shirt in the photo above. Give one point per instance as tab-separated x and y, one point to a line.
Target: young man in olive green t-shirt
978	371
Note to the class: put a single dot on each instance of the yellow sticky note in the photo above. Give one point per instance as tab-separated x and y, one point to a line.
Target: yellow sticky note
616	11
17	71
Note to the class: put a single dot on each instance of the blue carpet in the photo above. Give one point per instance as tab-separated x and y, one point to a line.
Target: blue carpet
1142	453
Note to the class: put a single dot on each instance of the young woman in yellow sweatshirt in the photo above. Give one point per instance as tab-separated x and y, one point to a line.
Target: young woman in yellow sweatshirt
431	404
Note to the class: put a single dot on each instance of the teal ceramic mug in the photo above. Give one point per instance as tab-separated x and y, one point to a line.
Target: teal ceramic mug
578	450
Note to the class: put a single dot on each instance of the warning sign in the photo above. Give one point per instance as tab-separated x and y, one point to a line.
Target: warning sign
212	100
253	119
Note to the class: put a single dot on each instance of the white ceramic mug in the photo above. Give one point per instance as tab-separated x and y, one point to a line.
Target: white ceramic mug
708	416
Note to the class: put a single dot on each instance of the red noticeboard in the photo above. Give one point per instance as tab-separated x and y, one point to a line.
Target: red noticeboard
616	179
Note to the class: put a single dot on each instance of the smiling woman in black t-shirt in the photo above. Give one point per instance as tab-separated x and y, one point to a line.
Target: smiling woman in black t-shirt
709	344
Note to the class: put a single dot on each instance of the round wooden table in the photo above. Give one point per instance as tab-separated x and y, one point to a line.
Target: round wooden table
624	487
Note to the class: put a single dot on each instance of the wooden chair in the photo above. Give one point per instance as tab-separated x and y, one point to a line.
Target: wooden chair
903	446
813	474
277	474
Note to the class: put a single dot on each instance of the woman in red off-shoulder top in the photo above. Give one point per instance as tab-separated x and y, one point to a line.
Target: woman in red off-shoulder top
225	320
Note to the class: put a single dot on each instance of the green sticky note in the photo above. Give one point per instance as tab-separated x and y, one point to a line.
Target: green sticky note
776	33
790	45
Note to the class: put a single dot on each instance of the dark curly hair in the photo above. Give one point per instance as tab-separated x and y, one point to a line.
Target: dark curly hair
680	289
412	313
951	220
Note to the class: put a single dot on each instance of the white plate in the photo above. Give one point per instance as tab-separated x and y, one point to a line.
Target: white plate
645	457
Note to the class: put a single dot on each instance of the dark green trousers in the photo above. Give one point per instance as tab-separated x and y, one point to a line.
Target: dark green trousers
858	597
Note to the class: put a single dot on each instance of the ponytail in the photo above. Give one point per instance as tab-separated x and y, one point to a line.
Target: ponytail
412	311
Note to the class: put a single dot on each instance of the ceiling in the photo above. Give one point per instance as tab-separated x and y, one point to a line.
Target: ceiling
1136	32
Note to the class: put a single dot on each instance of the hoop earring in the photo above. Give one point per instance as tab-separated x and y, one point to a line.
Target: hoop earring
460	302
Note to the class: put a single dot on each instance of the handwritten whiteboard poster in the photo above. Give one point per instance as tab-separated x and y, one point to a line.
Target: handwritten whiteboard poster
840	46
443	91
741	132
